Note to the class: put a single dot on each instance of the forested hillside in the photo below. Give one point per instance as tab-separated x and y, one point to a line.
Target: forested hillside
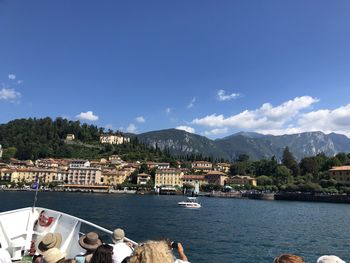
40	138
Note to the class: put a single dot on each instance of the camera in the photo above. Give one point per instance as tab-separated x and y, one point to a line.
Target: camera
174	245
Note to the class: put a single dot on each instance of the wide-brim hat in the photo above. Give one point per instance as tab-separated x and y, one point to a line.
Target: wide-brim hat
118	234
90	241
50	240
330	259
53	255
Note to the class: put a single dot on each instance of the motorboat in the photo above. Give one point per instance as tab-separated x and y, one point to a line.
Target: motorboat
21	229
191	202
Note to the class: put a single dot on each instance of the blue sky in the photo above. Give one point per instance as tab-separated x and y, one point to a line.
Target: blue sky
210	67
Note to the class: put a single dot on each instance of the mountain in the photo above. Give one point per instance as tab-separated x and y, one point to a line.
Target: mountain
257	146
180	142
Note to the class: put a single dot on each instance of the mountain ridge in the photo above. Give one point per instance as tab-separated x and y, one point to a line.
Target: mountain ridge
256	145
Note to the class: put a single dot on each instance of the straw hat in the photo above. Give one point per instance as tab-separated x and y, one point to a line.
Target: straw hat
53	255
50	240
118	234
90	241
330	259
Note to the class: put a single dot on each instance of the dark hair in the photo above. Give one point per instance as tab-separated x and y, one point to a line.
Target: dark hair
103	254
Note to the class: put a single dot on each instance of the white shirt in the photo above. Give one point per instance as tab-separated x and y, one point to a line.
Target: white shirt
121	250
4	256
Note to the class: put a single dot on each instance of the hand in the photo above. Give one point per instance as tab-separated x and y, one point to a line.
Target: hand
181	252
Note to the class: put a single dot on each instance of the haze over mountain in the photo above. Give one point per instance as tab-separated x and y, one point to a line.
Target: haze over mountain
257	146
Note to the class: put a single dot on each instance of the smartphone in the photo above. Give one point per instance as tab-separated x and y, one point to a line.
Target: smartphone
174	245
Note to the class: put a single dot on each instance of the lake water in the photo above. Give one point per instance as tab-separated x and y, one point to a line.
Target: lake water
223	230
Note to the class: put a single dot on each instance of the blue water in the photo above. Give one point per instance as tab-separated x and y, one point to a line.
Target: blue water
223	230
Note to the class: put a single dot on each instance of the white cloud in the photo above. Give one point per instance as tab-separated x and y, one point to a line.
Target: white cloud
186	128
265	117
131	128
289	117
19	82
89	116
12	76
337	120
222	96
216	132
140	119
191	104
9	94
167	110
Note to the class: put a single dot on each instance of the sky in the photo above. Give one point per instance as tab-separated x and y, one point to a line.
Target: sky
212	68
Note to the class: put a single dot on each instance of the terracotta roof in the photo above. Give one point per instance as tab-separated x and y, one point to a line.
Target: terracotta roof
341	168
193	177
216	173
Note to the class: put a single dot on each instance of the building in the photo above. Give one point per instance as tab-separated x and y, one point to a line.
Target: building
70	137
168	177
143	178
79	163
242	180
29	175
194	179
222	167
113	139
80	172
115	177
217	178
340	173
151	165
46	163
202	166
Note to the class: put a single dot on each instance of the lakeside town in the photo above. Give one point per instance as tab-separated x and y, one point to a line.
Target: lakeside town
114	175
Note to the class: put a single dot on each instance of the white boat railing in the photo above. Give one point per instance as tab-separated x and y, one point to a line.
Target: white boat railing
19	228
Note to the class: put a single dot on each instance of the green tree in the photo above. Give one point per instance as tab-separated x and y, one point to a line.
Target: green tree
282	176
289	161
264	180
309	165
9	153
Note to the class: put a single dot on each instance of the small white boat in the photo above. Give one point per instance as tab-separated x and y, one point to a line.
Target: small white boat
191	202
20	229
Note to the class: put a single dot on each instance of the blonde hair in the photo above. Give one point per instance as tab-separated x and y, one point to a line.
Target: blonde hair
152	252
288	258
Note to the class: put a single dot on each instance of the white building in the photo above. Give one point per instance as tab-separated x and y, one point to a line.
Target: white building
113	139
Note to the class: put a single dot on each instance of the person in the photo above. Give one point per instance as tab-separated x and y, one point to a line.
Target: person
157	252
50	240
103	254
90	242
288	258
53	255
121	250
5	256
329	259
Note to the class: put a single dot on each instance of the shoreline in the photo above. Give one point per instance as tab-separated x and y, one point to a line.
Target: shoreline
282	196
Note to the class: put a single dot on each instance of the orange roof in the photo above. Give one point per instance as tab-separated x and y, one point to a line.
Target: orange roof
341	168
193	177
216	173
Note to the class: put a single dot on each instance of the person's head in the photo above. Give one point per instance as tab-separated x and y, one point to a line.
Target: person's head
102	254
50	240
118	235
53	255
330	259
288	258
152	252
90	241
